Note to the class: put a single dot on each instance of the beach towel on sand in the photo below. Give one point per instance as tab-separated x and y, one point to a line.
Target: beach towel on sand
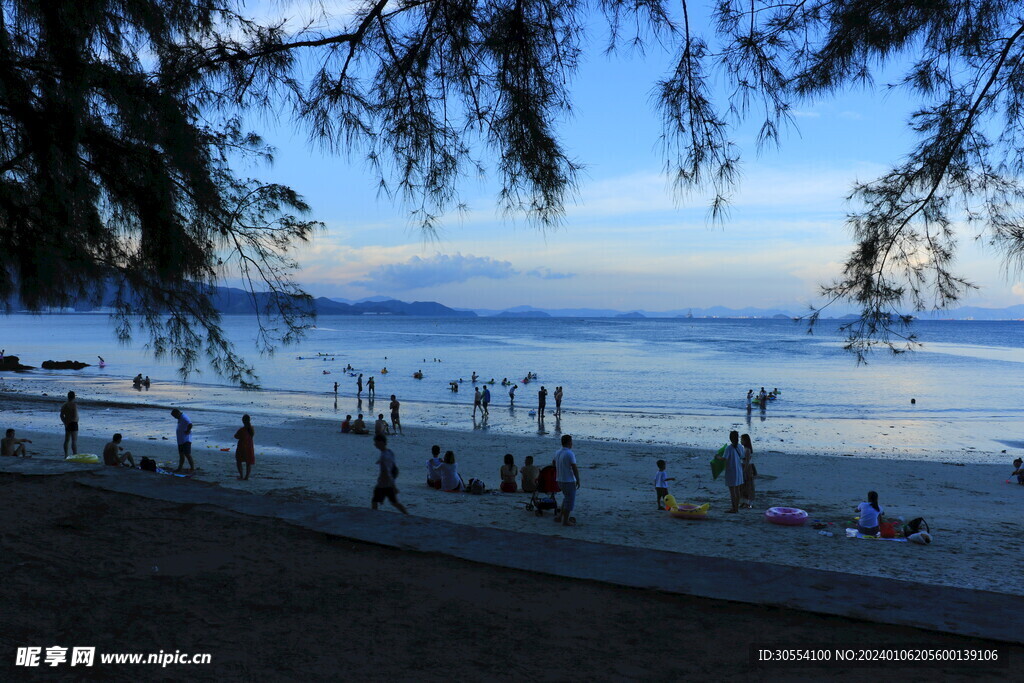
873	538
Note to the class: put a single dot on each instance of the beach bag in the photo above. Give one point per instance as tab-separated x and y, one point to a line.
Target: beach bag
147	464
921	538
476	487
886	529
914	526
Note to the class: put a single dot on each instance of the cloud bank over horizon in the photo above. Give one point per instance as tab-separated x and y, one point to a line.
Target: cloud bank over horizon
446	269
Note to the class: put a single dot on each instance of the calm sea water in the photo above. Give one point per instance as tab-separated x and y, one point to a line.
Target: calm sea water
673	381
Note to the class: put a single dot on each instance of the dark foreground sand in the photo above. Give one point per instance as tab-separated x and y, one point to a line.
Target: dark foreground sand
274	602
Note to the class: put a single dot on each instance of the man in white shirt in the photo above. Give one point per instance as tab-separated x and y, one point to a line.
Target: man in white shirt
183	434
568	477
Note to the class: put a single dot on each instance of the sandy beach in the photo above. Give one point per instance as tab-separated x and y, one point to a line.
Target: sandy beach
270	601
971	509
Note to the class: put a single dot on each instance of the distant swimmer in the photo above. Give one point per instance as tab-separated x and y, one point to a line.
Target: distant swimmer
103	363
474	377
418	374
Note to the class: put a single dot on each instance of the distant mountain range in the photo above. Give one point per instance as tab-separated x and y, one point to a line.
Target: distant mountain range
234	301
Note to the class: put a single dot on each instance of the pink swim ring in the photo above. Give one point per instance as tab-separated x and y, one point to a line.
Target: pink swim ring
786	516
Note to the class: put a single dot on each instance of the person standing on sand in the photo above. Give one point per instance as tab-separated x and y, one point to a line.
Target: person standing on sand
112	455
183	434
542	400
11	447
371	391
335	389
386	478
396	423
733	457
568	478
512	395
661	480
245	451
747	490
476	399
69	417
359	386
558	400
485	398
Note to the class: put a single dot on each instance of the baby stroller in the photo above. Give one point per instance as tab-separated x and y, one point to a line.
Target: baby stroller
547	487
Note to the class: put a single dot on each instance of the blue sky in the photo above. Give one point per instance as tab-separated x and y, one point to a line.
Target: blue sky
627	241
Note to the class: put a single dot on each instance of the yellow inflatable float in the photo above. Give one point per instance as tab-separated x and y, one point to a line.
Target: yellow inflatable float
686	510
86	458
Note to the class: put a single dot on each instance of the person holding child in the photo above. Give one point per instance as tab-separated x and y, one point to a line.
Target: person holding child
1018	470
433	474
661	480
508	475
450	479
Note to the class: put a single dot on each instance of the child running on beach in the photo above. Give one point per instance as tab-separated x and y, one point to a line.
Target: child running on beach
386	478
661	480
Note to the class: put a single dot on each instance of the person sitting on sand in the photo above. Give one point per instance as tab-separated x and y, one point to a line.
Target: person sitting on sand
11	447
359	427
450	479
433	474
529	473
245	452
346	424
380	427
1018	469
870	513
113	456
508	474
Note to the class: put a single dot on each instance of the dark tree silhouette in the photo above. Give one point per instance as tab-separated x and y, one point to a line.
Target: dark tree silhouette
120	121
